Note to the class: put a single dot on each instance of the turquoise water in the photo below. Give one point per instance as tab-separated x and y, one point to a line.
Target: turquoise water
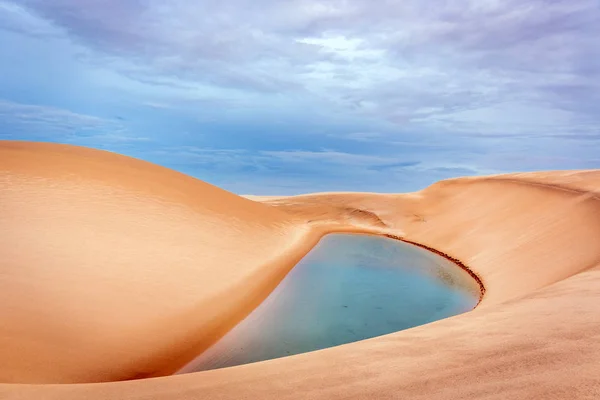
348	288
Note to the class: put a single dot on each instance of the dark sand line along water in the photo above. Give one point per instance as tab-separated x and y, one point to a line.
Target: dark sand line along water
456	261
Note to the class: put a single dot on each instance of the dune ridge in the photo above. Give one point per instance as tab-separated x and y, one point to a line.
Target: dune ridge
533	239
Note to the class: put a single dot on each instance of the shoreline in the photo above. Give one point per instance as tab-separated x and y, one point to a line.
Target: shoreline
456	261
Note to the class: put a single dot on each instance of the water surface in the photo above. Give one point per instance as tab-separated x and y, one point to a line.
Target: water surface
348	288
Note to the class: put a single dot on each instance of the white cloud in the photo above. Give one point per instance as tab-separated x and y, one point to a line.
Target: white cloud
46	117
405	62
330	157
27	121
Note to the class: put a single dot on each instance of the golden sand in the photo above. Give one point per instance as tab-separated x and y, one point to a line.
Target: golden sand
113	269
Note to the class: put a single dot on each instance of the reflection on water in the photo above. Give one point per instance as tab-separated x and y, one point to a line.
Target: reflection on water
348	288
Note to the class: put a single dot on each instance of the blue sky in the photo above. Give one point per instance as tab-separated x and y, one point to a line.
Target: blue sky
287	97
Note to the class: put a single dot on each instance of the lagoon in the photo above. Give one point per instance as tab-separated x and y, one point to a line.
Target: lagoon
348	288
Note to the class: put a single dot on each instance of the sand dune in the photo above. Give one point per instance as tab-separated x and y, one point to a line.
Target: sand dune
113	269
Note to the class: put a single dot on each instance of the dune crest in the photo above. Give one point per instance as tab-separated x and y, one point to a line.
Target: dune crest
114	268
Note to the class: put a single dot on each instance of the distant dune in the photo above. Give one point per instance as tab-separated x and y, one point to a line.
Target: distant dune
114	269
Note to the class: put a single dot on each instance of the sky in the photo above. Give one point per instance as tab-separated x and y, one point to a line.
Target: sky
281	97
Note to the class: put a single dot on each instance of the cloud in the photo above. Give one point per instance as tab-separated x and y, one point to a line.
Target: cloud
407	62
329	157
208	41
359	136
294	171
45	117
345	93
265	159
16	18
403	61
29	121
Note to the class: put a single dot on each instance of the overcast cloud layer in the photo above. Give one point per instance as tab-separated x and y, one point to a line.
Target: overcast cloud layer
284	97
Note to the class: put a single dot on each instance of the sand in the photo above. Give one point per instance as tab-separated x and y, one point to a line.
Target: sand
113	269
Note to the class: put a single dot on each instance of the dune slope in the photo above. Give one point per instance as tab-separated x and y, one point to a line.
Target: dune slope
113	268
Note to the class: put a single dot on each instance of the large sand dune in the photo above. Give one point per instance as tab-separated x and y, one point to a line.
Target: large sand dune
113	269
